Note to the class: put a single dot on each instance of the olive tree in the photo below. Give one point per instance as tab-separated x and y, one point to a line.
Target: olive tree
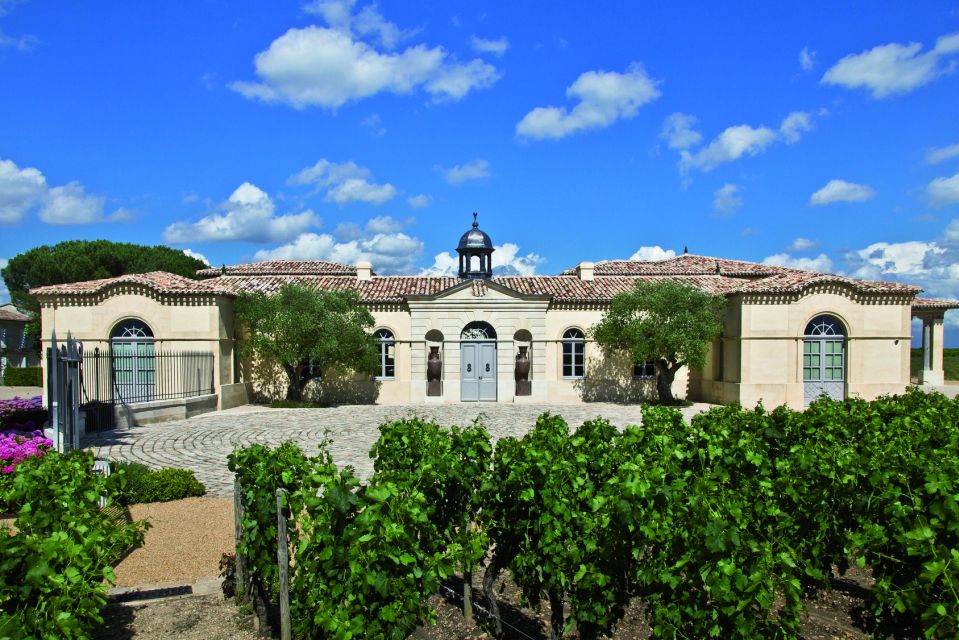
665	322
302	329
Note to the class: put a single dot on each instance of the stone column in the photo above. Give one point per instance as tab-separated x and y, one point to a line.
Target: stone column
932	334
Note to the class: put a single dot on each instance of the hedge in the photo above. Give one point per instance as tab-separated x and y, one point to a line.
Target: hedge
143	484
23	377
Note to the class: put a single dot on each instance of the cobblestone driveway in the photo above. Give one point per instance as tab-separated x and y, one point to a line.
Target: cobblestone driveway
202	443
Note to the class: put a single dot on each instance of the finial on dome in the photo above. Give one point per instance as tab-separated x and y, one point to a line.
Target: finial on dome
475	223
686	249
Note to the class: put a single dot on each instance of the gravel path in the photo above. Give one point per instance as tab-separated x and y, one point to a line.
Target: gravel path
184	543
203	443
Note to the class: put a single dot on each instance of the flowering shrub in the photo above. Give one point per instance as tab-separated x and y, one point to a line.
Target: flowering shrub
23	414
16	447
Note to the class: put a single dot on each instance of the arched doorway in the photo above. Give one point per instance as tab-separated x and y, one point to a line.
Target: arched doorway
133	361
478	362
824	359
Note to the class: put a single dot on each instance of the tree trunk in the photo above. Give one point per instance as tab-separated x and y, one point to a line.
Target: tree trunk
489	578
556	616
664	382
294	391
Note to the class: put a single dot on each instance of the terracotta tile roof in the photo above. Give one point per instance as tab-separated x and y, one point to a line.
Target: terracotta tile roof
13	316
796	281
159	281
397	288
377	289
282	267
686	264
932	304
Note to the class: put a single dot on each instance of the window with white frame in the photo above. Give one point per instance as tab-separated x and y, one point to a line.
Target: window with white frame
574	354
386	346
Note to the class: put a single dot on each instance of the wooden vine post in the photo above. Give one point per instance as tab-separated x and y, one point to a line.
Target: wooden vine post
283	559
240	570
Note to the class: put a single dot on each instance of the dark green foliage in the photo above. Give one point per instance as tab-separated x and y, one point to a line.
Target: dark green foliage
163	485
23	377
550	509
666	322
722	526
79	260
298	326
55	570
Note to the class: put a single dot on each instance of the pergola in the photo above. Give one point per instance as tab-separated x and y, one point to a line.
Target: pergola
932	313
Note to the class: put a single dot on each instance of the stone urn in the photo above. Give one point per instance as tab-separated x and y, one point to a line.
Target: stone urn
521	373
434	369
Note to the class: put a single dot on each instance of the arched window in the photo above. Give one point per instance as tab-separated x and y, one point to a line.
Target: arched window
133	362
387	350
824	358
131	329
478	330
574	354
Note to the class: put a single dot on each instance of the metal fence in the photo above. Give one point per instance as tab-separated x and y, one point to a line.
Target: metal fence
139	373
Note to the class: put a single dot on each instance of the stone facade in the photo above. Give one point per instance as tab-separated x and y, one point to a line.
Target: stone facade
764	354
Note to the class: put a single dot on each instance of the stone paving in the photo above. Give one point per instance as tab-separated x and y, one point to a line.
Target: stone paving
202	443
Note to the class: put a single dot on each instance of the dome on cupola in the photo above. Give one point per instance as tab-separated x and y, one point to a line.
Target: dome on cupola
476	253
475	238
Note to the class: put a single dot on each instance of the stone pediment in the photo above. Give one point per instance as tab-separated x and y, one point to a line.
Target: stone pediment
480	290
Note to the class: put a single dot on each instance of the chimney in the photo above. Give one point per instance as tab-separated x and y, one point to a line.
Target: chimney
585	270
364	271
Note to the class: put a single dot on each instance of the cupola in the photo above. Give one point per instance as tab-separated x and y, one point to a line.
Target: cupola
476	253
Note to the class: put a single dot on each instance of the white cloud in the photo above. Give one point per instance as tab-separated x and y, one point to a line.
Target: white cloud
807	59
444	264
932	265
198	256
604	97
507	261
359	190
385	224
375	124
419	201
944	191
820	263
892	69
679	133
794	125
248	215
71	204
841	191
653	253
731	144
330	66
472	170
344	182
726	199
941	154
388	252
496	47
908	259
368	22
802	244
20	190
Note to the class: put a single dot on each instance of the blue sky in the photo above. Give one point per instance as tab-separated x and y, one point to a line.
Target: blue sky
819	135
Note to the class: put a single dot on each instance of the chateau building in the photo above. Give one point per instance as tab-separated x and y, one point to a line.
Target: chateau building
789	335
